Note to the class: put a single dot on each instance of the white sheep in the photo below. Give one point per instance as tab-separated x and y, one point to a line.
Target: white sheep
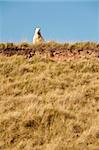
37	38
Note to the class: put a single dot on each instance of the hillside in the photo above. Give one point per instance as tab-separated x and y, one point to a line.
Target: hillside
49	96
53	50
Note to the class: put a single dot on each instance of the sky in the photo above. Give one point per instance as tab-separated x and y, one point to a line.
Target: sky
61	21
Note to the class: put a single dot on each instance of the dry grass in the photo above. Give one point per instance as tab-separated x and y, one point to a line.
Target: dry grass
49	105
51	50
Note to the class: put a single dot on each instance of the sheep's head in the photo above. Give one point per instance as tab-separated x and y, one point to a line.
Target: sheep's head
37	30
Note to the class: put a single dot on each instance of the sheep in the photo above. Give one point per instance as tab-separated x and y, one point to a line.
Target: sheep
38	37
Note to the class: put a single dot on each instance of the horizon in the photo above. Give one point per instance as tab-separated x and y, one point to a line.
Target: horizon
59	21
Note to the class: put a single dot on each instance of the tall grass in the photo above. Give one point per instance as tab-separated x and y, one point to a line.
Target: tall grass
47	104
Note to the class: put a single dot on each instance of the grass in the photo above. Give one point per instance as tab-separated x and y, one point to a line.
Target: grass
46	104
51	49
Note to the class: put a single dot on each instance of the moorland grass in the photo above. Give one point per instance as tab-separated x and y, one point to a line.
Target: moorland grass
47	104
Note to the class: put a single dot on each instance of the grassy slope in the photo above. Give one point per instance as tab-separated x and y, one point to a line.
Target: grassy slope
51	49
49	105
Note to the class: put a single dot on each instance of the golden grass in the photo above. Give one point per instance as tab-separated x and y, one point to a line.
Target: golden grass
51	49
49	105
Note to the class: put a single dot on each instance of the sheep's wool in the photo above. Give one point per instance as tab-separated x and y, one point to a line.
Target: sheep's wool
37	37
